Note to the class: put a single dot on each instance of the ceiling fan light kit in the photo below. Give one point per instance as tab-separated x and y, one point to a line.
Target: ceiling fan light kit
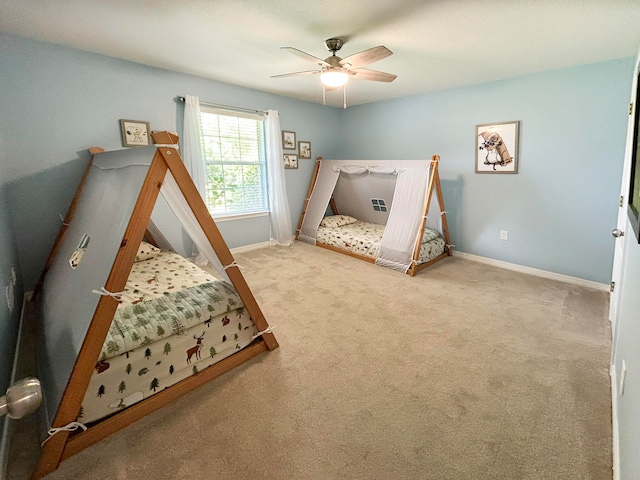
335	71
334	77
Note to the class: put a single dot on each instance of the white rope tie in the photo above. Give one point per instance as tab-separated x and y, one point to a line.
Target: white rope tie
443	212
103	291
70	427
62	220
233	264
259	334
425	216
450	245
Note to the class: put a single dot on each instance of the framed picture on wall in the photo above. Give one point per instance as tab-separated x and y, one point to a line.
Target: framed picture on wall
497	147
288	140
304	149
135	133
290	161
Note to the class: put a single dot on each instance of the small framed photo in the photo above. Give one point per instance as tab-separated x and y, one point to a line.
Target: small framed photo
290	161
135	133
304	149
497	147
288	140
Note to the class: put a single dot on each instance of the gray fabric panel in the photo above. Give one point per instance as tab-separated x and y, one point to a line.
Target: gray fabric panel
353	194
66	304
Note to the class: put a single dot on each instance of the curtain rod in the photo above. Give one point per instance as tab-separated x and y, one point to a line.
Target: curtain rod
227	107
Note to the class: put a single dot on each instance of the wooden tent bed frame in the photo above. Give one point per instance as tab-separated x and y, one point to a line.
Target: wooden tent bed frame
64	444
433	185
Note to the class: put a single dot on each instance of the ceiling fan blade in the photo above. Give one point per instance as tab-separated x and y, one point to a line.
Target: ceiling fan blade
376	76
306	56
295	74
365	57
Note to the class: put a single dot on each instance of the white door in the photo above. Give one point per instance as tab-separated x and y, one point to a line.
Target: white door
620	232
625	315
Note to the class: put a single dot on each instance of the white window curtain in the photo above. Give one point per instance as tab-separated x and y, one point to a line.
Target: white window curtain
192	143
192	153
281	231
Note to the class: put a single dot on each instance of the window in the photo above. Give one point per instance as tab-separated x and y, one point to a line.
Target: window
379	205
234	156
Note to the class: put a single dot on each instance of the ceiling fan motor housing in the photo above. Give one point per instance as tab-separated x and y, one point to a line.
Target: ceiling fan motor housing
333	44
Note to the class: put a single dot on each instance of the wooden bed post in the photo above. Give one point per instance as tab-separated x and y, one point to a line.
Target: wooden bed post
443	213
312	185
434	181
416	251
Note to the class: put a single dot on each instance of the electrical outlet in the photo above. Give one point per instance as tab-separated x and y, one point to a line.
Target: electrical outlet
504	235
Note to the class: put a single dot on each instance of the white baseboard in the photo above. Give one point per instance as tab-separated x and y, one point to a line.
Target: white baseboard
534	271
249	248
614	422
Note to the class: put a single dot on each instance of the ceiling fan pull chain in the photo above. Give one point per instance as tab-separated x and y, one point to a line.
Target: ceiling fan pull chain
344	96
324	95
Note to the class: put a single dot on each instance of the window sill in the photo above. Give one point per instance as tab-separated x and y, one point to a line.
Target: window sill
240	216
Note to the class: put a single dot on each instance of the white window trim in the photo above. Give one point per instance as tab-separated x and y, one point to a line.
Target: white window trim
218	218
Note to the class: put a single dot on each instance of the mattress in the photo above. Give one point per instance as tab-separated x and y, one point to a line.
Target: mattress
174	320
364	238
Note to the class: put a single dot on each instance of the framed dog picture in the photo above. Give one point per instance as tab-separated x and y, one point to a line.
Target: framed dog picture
497	147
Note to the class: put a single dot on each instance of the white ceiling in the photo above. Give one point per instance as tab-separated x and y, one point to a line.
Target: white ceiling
437	44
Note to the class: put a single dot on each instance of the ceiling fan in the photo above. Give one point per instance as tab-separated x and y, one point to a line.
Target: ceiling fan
335	71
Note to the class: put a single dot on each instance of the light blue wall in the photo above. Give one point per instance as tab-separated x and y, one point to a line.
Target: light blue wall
9	317
57	102
560	208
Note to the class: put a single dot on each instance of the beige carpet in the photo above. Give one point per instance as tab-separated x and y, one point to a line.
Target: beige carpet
465	371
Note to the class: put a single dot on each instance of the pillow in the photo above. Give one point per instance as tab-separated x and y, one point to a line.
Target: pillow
334	221
429	235
146	251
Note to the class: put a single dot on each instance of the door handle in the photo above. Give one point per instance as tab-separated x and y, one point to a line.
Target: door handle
617	233
22	398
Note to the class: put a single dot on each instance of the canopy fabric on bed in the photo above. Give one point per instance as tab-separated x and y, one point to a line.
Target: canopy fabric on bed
356	182
95	250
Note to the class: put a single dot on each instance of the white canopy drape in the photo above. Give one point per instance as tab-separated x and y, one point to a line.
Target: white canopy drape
317	206
401	233
181	209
